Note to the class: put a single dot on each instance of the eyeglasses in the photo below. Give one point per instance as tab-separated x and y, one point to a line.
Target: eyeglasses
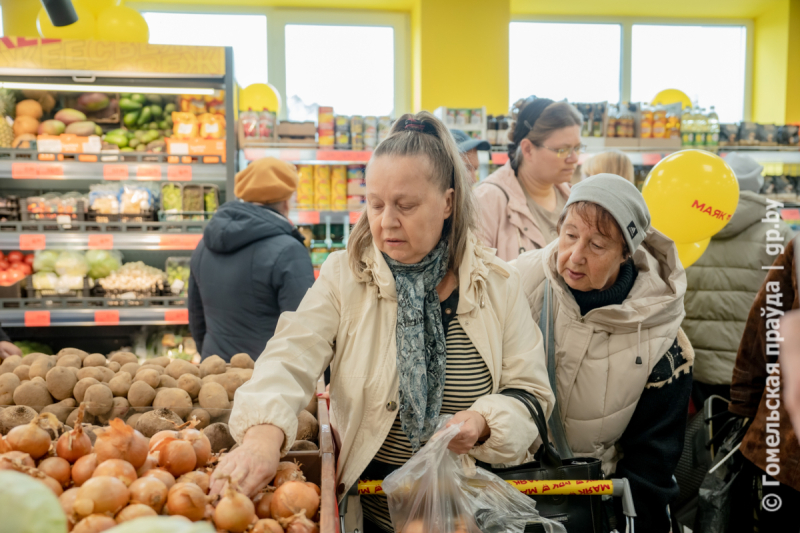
562	153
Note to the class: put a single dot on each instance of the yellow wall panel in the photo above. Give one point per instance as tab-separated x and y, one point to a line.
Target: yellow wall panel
770	63
793	65
19	17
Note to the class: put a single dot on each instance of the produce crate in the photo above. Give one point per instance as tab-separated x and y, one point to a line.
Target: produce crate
50	293
15	290
146	215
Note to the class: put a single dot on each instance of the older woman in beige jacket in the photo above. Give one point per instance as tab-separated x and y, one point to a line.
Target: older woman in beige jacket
415	284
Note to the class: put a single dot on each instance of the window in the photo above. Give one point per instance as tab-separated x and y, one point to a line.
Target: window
321	70
247	34
665	57
580	62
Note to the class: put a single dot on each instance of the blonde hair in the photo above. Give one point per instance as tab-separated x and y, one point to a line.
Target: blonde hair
433	140
537	129
610	162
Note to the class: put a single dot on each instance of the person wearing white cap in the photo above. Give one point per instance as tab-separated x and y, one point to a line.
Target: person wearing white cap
723	283
610	288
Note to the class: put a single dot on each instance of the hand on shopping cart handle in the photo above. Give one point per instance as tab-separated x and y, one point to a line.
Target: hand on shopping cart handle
474	430
253	463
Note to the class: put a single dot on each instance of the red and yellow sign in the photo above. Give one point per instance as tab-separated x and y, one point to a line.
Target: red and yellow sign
535	487
104	56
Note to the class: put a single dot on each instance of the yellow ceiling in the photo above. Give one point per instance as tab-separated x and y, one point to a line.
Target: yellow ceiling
746	9
387	5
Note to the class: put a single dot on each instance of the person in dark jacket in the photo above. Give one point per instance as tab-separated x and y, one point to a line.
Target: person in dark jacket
250	266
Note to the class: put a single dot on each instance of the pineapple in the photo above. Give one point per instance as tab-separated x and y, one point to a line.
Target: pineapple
8	103
6	133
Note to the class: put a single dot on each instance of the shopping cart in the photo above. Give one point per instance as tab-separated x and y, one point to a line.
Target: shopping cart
618	488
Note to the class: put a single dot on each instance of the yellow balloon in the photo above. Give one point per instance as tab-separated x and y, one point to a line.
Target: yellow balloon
97	6
689	253
691	195
121	23
83	29
671	96
260	96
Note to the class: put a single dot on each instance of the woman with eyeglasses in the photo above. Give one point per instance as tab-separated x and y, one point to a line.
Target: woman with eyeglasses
520	203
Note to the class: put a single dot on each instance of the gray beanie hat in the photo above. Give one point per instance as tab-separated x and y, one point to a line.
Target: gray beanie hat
747	171
619	197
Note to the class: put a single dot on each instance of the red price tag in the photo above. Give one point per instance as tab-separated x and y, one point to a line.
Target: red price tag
23	171
499	158
180	242
355	216
650	159
37	319
103	241
790	214
316	273
308	217
115	172
177	315
148	172
32	241
343	155
109	318
179	173
49	172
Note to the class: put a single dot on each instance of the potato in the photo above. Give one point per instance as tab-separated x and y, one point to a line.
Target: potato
159	369
97	372
157	420
60	382
141	394
88	418
37	379
98	399
81	386
213	397
113	366
167	382
130	368
120	384
22	372
191	384
123	358
177	400
245	373
202	416
150	377
12	417
231	381
31	357
163	362
242	360
212	365
33	395
70	360
307	426
61	409
220	437
178	367
95	359
72	351
312	405
40	367
119	409
10	363
131	421
304	446
8	382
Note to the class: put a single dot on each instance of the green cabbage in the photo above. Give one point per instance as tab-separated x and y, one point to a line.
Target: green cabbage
162	524
29	506
103	262
45	261
71	264
45	281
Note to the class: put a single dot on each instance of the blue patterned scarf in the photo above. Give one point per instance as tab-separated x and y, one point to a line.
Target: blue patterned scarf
421	352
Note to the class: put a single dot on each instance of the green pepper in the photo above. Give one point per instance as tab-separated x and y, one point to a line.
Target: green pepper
131	118
156	111
144	117
126	104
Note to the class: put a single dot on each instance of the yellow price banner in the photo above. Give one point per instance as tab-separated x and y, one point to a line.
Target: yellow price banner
556	487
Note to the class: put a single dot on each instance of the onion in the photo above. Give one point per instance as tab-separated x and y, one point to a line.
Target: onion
201	479
234	511
84	468
122	470
415	526
187	499
299	524
149	491
292	498
120	441
288	472
150	463
95	523
8	458
176	456
67	500
4	446
262	505
162	475
58	469
54	485
33	438
161	435
267	525
315	487
75	444
104	494
200	443
133	511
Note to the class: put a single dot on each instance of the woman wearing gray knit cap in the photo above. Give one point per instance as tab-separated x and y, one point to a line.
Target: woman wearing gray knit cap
610	289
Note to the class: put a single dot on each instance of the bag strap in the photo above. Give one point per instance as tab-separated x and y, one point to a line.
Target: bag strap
521	248
546	324
550	458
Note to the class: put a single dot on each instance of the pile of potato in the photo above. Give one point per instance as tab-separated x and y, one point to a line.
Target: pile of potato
151	397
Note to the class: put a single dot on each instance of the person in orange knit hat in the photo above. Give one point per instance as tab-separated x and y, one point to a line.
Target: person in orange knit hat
250	266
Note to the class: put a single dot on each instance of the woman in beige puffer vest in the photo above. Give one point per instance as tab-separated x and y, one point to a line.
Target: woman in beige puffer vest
622	364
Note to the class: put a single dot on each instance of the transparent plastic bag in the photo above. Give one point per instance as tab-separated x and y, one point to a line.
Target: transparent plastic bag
437	491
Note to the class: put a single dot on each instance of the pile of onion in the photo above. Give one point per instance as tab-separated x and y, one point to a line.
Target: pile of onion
101	495
287	472
267	525
149	491
74	444
120	441
33	438
235	511
58	469
176	456
294	498
187	499
299	523
122	470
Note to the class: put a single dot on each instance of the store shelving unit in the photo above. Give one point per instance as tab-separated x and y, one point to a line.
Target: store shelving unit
67	312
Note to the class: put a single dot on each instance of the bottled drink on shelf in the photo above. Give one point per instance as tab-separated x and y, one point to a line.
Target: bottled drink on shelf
502	130
622	119
687	127
491	129
611	127
700	128
646	127
712	138
660	122
673	126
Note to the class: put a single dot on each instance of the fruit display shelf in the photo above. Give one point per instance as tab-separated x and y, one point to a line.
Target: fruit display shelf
311	217
93	311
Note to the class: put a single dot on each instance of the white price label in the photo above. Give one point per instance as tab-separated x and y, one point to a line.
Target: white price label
49	145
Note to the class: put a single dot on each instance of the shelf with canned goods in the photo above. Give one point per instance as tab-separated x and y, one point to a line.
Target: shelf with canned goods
31	165
93	311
